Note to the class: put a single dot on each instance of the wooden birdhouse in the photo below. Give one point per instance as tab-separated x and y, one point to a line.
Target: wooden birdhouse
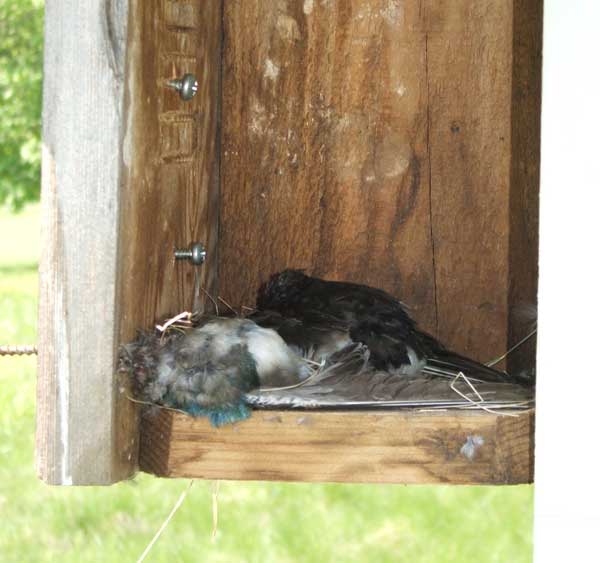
387	142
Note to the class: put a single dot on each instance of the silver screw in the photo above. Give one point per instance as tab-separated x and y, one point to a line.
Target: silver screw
187	86
196	254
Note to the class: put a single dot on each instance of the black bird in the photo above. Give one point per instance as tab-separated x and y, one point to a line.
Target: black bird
327	316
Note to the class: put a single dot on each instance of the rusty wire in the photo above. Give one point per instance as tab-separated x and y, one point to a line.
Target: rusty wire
23	350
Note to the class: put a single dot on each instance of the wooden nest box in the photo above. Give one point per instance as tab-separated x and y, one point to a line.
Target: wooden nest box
390	143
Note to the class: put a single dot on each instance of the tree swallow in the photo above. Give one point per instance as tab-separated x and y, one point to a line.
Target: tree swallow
327	316
208	369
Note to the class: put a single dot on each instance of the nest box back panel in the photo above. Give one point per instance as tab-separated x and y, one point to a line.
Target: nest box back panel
374	141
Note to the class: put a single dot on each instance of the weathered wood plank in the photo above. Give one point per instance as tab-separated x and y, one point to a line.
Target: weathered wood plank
172	164
483	67
386	447
107	266
172	168
469	52
82	115
387	143
325	161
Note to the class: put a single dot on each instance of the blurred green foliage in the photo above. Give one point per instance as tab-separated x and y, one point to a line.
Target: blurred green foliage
21	41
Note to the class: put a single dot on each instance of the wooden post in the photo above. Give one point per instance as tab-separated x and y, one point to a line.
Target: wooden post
84	71
130	171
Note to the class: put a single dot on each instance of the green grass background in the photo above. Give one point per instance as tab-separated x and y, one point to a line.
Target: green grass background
258	522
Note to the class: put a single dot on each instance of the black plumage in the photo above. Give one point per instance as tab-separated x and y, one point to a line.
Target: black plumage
326	316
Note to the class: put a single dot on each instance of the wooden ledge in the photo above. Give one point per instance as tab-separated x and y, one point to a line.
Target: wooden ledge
460	447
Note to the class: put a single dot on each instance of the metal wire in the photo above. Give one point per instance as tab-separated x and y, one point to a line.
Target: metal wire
24	350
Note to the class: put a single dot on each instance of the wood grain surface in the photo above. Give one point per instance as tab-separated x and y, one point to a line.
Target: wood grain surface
469	68
325	160
384	142
484	131
385	447
379	141
525	179
76	441
130	172
172	167
172	160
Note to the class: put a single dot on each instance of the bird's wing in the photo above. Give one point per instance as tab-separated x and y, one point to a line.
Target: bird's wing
312	331
349	383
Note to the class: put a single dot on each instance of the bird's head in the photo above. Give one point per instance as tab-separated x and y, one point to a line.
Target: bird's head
282	289
208	370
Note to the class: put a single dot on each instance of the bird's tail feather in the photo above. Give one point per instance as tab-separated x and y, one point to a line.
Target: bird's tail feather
450	364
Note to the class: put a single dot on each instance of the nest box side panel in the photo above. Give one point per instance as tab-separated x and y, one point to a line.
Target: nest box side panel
525	179
325	164
76	442
172	165
130	172
171	160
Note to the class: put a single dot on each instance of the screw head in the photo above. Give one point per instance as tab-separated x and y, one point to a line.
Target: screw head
187	86
196	254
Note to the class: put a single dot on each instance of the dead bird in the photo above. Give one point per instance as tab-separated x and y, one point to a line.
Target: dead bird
327	316
207	370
